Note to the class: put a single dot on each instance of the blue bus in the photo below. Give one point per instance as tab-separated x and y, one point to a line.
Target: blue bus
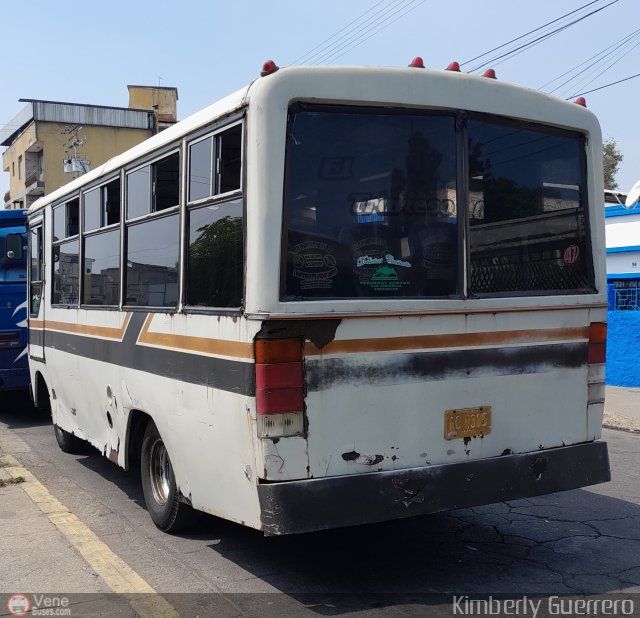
14	369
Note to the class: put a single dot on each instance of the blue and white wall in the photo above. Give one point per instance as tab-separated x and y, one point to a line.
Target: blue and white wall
622	227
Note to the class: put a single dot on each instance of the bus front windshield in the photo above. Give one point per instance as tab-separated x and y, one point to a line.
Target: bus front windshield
13	258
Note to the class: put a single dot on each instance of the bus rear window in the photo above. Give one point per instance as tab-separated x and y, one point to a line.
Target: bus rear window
370	202
526	210
371	206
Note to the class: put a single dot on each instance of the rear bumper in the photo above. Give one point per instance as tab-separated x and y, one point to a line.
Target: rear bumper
303	506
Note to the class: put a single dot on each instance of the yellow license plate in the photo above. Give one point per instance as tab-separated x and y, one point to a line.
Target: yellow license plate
467	422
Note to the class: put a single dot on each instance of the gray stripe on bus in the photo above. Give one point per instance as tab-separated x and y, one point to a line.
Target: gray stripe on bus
223	374
403	367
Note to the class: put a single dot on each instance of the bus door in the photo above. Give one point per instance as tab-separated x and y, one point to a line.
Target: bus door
36	291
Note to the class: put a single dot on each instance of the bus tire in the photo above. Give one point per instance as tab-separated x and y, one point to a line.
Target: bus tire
161	494
67	442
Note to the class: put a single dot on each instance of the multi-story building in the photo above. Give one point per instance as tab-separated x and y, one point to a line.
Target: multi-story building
49	142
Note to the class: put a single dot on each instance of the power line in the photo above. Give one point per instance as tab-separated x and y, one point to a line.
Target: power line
349	33
297	60
583	83
363	28
626	79
382	25
606	49
519	49
530	32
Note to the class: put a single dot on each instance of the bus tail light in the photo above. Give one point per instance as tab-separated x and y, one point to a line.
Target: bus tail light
596	358
581	101
490	73
453	66
417	63
597	342
279	387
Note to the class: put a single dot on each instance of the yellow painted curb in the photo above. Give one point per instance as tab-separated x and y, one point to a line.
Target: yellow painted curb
116	573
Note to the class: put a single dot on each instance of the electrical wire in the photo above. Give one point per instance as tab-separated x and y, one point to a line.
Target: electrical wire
586	82
364	28
571	70
301	58
528	44
626	79
384	24
528	33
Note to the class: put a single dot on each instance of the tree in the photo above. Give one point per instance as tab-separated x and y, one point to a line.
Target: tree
612	159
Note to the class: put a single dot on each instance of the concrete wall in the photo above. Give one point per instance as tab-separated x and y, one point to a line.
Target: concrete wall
623	348
102	143
10	159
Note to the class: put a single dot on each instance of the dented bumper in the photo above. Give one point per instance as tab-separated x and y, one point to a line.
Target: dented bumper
292	507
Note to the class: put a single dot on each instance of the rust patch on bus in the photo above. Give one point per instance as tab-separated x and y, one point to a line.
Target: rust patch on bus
319	332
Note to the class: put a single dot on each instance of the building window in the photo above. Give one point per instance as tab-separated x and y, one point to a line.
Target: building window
20	166
215	164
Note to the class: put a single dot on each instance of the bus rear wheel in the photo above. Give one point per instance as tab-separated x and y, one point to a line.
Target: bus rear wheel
161	494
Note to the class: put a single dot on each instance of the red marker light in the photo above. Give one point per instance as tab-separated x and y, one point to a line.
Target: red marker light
581	101
417	63
268	67
490	73
453	66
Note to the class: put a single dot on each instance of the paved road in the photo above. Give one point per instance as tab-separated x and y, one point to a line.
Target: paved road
579	541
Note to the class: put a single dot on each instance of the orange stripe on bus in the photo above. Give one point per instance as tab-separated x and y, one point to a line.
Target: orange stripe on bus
219	347
462	340
105	332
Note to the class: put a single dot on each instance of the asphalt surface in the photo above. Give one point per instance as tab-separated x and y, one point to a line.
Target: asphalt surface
582	541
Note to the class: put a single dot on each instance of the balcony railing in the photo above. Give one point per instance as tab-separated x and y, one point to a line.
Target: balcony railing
33	177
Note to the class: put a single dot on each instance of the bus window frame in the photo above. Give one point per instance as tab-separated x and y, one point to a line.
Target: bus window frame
100	185
584	193
76	195
217	128
37	228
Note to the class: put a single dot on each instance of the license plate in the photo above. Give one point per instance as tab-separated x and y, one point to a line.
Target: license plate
467	422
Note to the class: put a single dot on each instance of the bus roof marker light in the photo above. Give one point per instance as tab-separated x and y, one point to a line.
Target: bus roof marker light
268	68
453	66
490	73
417	63
581	101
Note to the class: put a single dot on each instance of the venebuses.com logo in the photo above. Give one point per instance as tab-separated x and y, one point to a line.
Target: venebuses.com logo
19	605
38	605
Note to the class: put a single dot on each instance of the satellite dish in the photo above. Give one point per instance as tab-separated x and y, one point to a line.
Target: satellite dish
633	195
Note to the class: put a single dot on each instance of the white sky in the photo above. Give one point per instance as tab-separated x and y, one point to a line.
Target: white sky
88	52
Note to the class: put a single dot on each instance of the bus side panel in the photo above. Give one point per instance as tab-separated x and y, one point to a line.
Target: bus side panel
150	365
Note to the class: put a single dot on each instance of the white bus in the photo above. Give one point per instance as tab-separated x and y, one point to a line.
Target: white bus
336	296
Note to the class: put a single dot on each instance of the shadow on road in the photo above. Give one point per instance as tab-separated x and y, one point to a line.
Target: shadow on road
16	410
